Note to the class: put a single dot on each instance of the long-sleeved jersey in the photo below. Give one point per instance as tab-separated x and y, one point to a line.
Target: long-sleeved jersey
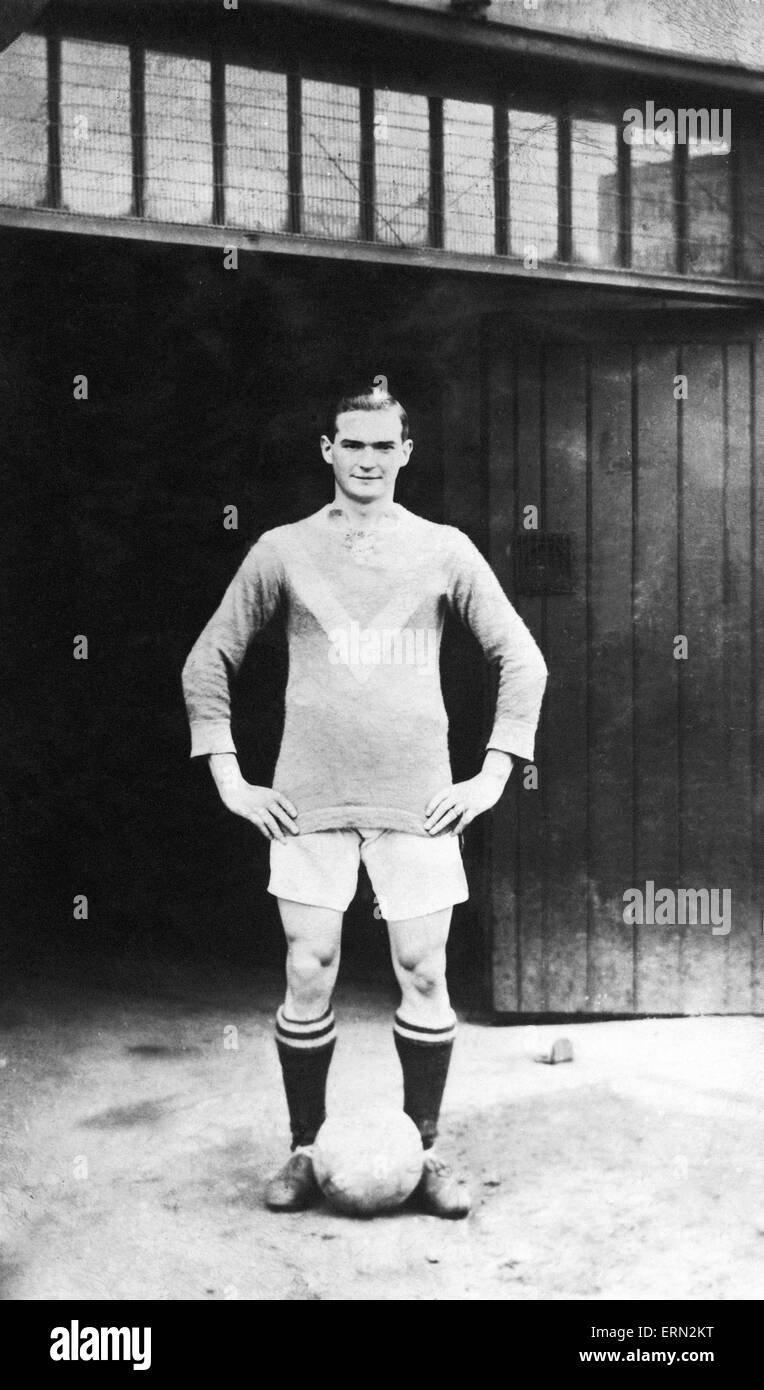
365	739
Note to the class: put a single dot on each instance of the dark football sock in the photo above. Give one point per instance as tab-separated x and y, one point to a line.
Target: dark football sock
305	1050
425	1054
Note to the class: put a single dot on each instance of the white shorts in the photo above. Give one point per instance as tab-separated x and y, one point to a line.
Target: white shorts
412	875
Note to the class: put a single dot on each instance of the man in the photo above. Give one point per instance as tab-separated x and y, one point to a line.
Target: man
363	769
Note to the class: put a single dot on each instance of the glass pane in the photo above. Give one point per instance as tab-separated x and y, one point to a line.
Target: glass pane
653	210
331	155
709	240
178	139
23	122
96	150
752	189
594	199
402	164
533	184
257	149
468	197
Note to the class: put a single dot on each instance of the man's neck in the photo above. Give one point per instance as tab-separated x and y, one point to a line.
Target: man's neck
364	512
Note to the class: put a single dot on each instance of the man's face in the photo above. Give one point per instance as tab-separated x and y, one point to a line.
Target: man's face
367	453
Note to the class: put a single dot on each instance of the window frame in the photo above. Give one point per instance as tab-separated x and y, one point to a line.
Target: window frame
497	80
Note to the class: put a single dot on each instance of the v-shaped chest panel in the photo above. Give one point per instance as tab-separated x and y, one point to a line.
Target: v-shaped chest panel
385	599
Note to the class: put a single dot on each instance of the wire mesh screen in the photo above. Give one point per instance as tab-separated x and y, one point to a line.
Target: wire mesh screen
752	204
331	160
402	167
24	122
653	207
533	171
179	176
594	197
98	129
709	241
257	149
96	151
468	185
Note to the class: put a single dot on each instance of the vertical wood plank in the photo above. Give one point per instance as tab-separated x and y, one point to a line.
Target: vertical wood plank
565	731
735	826
463	482
658	983
705	791
464	671
611	683
502	514
757	623
531	831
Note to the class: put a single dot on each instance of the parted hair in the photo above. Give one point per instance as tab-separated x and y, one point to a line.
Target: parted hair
366	398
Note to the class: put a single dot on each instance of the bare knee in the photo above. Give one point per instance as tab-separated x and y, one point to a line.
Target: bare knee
311	974
308	963
423	977
313	937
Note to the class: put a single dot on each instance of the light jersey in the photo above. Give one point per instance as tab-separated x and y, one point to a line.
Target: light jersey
365	739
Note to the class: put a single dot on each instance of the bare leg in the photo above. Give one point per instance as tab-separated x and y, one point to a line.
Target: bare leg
424	1031
425	1024
305	1023
418	948
313	957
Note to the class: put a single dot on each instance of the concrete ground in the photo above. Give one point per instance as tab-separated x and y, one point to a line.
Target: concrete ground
137	1136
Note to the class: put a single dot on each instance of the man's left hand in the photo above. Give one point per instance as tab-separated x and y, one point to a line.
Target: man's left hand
452	808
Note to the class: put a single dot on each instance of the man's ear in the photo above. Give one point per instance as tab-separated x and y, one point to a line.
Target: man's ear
326	448
408	445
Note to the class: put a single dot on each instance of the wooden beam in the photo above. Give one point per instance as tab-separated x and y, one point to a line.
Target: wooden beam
680	163
577	51
428	258
138	126
366	182
294	141
501	179
53	189
218	128
436	172
624	202
564	189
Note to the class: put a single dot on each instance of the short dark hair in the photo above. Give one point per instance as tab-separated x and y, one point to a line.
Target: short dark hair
367	398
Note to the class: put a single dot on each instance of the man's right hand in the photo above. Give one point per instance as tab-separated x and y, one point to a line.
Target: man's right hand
270	811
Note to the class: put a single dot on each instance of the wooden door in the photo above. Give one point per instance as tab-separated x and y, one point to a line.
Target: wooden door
649	755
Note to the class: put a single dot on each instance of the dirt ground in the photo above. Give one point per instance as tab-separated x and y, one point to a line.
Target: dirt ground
137	1137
